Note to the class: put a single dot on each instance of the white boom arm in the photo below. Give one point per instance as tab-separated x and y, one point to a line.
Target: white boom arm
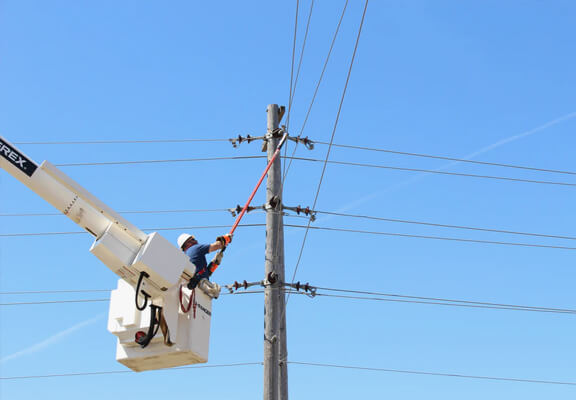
124	248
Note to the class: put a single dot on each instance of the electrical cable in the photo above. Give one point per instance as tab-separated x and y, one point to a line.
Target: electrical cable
159	161
433	171
431	237
447	304
430	301
395	220
316	89
563	310
495	378
292	63
331	141
316	160
125	372
315	228
146	229
120	212
403	221
449	158
54	291
54	302
293	87
126	141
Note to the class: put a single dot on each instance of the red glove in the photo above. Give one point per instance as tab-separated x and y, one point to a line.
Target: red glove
224	239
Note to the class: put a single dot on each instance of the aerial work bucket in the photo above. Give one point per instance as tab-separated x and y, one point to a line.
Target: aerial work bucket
186	340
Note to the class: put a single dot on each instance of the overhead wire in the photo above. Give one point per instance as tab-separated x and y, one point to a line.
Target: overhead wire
123	141
483	303
511	308
308	227
329	147
449	158
433	373
158	161
325	228
397	152
332	213
293	88
125	371
145	229
371	296
356	164
404	221
292	63
316	89
28	303
402	371
122	212
308	159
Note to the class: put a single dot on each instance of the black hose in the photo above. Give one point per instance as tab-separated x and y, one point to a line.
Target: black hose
146	295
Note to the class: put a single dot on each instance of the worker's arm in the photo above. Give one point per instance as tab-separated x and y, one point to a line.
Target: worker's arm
221	242
215	246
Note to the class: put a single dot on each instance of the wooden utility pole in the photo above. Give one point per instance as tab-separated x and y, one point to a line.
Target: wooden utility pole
275	374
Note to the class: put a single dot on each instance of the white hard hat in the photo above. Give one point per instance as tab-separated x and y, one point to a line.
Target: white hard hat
183	238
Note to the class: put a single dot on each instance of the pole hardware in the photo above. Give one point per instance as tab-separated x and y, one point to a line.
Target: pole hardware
306	211
276	133
271	279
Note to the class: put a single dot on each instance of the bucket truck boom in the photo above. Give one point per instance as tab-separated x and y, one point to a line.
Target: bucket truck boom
132	255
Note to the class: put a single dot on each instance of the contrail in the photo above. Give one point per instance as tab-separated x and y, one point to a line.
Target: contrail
52	339
515	137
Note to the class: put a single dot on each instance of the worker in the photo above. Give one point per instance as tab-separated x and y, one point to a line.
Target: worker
197	252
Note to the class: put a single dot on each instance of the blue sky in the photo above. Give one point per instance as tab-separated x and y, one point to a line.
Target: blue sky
489	80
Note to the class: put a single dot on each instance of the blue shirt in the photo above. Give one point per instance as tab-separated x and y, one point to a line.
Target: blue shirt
197	255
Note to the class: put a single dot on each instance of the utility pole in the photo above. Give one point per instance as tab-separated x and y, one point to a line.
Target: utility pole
275	374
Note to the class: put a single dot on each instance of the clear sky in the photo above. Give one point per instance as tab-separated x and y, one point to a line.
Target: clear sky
489	80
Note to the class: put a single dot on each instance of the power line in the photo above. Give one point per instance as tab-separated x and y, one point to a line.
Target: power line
293	88
308	228
55	302
122	212
445	225
314	160
146	229
494	378
331	140
124	372
31	303
396	298
449	158
292	63
54	291
159	161
563	310
434	171
404	221
423	155
316	89
511	308
431	237
125	141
